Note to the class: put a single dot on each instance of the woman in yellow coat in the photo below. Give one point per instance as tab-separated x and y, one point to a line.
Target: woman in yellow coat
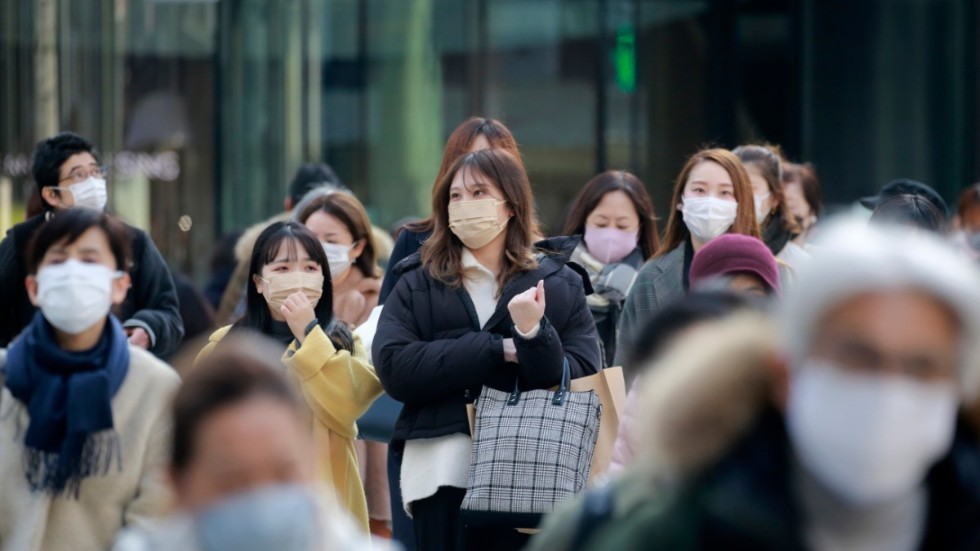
289	299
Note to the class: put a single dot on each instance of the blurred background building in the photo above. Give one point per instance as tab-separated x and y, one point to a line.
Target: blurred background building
204	108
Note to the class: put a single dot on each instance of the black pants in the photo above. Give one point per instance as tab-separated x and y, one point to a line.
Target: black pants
401	526
438	527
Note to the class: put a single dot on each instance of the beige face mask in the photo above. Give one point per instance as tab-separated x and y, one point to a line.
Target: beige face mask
278	287
476	223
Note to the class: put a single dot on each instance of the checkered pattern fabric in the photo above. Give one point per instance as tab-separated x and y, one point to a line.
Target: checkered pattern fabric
530	456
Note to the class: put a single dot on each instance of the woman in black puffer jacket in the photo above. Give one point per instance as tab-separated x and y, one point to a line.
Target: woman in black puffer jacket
478	305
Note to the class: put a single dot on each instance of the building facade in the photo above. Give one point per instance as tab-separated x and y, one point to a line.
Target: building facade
204	108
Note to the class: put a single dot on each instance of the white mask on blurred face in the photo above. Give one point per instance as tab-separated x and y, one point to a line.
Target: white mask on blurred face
708	217
338	258
73	296
761	209
90	193
868	438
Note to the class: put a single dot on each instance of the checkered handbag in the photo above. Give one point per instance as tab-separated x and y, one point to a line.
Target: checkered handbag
531	451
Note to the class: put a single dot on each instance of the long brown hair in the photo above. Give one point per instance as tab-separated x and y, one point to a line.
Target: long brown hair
459	144
608	182
346	208
677	232
442	252
769	163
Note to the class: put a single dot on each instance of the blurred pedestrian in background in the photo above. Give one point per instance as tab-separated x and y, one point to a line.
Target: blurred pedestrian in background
776	222
477	306
904	186
746	263
68	174
232	493
308	177
712	196
967	223
341	224
911	212
289	299
801	190
857	446
222	266
614	214
83	421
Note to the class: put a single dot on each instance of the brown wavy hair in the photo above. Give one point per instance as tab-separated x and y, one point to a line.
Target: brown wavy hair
346	208
745	223
608	182
459	144
442	252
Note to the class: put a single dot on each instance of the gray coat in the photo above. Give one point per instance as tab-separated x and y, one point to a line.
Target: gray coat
660	281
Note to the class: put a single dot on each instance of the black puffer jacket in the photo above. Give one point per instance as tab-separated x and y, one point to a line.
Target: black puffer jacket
432	355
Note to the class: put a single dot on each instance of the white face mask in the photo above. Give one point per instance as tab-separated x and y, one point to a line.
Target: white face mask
868	438
338	258
761	211
90	193
708	217
73	295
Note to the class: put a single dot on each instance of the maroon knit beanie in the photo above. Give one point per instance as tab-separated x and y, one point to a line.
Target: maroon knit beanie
734	253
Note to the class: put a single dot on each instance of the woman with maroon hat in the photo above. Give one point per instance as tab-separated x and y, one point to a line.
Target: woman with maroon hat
744	261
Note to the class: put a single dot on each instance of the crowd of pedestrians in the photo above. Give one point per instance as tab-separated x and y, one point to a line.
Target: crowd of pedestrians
757	375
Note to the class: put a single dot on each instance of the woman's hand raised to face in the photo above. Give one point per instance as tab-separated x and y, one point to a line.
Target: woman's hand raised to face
527	308
298	311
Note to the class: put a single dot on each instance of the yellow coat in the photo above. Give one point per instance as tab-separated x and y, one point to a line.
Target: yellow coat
338	388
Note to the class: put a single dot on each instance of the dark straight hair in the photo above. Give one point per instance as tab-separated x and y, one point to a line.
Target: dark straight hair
70	225
51	153
257	316
607	182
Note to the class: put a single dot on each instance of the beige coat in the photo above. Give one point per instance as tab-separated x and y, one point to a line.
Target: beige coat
132	495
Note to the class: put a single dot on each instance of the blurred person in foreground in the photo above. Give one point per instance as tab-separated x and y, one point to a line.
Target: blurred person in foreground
655	340
83	412
857	445
69	174
234	493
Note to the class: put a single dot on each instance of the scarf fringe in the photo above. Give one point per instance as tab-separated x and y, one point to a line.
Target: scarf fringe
50	473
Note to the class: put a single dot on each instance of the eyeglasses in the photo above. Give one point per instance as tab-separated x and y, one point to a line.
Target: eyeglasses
82	175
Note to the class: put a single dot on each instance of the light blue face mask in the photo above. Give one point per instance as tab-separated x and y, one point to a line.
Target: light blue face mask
280	518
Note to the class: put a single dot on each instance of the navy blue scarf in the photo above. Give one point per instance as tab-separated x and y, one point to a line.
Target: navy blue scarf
69	398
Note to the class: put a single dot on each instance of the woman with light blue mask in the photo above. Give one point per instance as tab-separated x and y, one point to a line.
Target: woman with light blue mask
232	493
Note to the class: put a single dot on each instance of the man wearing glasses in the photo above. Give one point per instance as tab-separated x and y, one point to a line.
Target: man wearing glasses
68	175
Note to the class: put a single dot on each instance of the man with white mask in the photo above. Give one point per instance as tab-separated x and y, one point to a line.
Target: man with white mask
840	431
68	175
84	428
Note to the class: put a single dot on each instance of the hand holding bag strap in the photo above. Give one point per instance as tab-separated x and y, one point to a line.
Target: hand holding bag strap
560	393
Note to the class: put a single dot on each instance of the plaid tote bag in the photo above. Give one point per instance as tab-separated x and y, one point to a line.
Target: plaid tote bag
531	451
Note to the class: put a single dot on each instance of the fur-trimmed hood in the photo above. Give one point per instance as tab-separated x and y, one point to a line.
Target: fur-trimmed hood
705	393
